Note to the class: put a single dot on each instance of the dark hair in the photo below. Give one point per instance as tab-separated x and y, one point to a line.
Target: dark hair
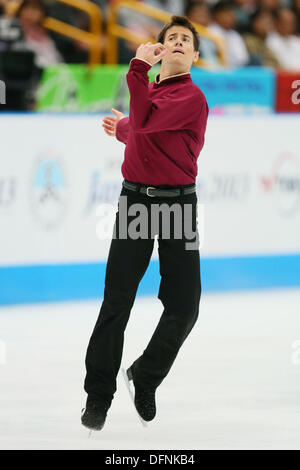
223	5
276	13
39	3
194	4
180	21
259	12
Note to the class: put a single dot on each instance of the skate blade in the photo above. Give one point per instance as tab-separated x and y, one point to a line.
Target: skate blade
144	423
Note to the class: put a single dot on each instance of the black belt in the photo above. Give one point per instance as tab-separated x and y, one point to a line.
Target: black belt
152	191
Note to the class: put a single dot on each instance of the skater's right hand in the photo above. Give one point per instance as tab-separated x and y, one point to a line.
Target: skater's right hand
110	123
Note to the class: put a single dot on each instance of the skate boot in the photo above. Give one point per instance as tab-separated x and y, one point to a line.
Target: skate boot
94	416
144	398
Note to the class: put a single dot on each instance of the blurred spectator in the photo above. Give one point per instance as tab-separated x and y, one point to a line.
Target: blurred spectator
283	42
296	10
9	7
199	13
17	67
31	14
144	25
261	24
175	7
242	10
10	29
137	24
69	49
271	5
224	24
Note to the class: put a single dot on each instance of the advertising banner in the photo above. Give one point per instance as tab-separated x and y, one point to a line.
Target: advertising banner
288	92
100	88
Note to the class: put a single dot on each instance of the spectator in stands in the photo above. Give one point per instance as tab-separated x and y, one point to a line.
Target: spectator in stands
143	25
72	51
148	26
10	30
31	14
199	13
296	10
261	25
10	6
224	24
271	5
242	10
176	7
283	42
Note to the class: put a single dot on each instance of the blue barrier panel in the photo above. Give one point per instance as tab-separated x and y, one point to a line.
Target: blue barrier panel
248	89
47	283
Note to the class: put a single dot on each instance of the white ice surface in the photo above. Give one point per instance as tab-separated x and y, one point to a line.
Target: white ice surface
235	383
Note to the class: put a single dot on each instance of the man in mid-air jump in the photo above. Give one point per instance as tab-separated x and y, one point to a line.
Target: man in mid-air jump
164	135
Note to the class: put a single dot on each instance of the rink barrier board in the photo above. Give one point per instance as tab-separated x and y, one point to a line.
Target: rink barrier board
63	282
244	89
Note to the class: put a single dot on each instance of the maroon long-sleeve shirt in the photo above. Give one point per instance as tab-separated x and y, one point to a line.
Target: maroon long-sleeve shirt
164	132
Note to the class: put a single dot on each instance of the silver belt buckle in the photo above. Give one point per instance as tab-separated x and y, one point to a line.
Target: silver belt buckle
150	187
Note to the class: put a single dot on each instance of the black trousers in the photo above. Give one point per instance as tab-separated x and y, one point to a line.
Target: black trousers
179	292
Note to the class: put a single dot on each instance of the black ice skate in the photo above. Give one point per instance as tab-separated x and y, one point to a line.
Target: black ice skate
144	397
94	416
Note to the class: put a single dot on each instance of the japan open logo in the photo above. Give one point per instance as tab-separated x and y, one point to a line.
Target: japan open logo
48	192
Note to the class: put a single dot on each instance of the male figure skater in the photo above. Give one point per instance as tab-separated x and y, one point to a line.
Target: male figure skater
164	135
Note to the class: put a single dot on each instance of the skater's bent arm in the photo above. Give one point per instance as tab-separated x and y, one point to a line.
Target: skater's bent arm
174	112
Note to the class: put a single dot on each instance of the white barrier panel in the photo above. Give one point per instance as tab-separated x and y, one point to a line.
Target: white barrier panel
56	170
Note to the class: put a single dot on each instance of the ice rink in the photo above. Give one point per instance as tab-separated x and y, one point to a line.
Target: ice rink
234	385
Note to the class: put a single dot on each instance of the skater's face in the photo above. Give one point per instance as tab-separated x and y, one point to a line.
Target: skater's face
180	43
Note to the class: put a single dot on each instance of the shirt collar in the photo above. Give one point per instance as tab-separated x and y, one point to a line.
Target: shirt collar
171	78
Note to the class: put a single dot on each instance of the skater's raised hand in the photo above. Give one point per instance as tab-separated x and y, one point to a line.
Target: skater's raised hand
110	122
152	53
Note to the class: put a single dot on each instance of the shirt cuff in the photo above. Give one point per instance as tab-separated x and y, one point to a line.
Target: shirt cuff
123	121
140	63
